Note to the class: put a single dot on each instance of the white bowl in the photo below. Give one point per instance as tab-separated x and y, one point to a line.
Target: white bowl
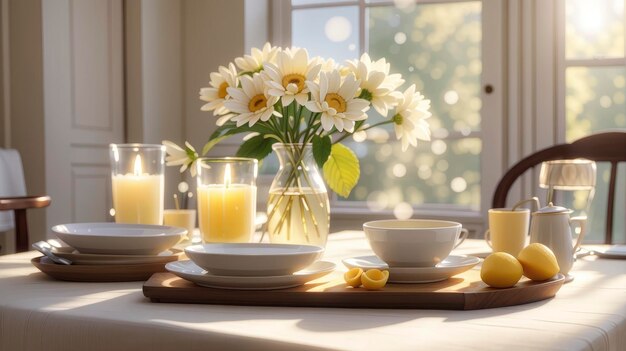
119	239
413	242
253	259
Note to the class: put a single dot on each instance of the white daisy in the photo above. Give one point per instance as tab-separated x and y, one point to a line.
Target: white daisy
176	156
251	103
336	101
217	93
286	79
410	119
377	85
327	64
257	59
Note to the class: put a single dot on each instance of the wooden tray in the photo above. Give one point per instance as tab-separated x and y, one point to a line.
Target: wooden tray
98	273
463	292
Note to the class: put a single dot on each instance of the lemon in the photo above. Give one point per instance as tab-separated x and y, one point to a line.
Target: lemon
374	279
538	261
501	270
353	277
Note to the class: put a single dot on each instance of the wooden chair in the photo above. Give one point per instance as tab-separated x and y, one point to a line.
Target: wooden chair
601	147
13	198
19	205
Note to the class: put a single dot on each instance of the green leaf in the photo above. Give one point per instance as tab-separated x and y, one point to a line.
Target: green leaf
321	149
223	128
341	170
256	147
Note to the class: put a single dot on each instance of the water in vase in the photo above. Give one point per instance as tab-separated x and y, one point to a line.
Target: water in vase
298	216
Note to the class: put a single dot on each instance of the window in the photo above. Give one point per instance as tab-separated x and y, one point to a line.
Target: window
438	46
594	94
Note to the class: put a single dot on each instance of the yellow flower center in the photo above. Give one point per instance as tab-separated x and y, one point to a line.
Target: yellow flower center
257	102
296	79
221	91
398	119
336	101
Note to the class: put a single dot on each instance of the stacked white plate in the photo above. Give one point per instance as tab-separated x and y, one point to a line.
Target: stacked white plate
251	266
110	252
113	243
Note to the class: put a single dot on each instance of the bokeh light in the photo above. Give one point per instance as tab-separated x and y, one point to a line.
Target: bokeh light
451	97
458	185
399	38
438	147
338	29
403	210
399	170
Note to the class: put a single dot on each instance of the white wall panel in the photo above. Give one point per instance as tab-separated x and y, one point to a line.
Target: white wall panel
90	185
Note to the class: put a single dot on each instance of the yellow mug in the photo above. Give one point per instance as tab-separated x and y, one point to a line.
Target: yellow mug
508	229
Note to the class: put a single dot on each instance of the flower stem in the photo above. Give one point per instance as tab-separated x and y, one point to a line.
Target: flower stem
296	158
345	135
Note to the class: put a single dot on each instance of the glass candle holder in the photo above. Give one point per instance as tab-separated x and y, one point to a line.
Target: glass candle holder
137	182
226	198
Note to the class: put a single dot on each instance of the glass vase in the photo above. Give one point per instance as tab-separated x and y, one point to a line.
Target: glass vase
298	209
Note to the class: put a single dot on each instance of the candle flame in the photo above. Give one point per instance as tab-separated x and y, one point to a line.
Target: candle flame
227	179
138	165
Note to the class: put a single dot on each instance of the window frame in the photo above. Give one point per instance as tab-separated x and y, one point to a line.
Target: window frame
561	66
350	215
563	63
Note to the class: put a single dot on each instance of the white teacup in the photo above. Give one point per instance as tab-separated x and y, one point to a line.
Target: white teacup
413	242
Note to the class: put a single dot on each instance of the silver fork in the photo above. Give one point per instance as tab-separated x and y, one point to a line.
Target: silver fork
46	249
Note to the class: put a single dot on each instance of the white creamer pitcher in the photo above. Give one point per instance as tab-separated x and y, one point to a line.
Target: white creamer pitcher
551	226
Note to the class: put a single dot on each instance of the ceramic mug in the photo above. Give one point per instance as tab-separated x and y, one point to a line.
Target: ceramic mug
508	229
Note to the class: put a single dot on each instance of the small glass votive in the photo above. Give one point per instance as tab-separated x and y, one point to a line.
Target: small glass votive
181	218
137	182
227	198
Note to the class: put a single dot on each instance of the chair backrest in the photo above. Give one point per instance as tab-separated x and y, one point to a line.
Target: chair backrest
11	183
601	147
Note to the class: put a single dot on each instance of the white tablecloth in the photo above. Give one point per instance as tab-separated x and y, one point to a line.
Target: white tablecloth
38	313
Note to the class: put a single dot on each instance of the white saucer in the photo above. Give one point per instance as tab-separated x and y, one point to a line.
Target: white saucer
101	259
610	251
188	270
451	265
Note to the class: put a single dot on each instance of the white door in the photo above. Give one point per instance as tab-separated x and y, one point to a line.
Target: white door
84	105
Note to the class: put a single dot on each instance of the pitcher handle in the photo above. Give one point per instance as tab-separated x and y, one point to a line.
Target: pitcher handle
582	222
462	237
534	200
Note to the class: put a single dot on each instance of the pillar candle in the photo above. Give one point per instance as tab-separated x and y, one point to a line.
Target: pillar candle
227	212
138	197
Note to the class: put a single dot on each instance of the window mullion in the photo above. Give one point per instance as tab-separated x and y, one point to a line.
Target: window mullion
603	62
363	37
561	66
325	5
